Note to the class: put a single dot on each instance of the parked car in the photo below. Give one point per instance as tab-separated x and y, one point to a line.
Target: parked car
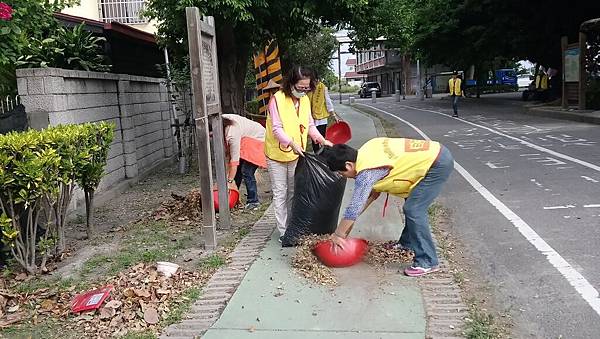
366	87
524	80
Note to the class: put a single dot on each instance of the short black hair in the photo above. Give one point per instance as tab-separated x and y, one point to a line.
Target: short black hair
337	156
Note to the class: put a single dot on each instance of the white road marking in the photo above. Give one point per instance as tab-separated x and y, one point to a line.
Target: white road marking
495	165
575	279
589	179
529	144
592	206
558	207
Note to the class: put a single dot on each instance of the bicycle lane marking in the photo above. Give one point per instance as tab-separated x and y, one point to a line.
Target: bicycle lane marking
573	277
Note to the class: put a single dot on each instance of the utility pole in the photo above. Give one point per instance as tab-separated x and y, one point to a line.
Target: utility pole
418	78
339	72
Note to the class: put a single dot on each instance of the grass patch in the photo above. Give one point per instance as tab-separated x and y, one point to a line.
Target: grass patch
181	306
140	335
388	127
481	324
212	261
47	329
144	242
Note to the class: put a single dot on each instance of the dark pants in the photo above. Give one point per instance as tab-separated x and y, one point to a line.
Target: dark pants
246	171
322	129
455	103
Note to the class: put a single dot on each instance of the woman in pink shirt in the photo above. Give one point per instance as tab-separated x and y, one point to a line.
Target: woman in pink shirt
289	123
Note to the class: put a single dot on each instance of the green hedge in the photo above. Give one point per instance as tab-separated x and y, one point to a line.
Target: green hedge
38	173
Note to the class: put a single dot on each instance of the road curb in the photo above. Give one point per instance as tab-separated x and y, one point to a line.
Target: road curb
590	118
224	282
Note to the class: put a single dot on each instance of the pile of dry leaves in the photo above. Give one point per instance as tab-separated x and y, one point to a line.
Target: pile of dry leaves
307	264
181	208
141	298
381	253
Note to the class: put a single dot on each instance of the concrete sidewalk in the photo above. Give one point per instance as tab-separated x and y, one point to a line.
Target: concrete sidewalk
274	302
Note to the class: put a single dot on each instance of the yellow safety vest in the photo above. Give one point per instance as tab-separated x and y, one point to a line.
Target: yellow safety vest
454	86
541	81
317	102
408	159
295	125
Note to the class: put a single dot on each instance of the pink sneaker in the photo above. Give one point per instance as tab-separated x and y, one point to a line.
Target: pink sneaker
419	271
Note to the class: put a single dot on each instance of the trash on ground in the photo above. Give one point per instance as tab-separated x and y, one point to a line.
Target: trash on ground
307	264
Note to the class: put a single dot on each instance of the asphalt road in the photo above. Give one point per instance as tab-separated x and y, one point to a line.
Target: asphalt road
525	201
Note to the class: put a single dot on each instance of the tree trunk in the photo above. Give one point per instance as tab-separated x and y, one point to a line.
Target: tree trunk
233	62
89	213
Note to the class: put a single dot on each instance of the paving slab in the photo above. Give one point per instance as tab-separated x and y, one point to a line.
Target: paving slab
275	302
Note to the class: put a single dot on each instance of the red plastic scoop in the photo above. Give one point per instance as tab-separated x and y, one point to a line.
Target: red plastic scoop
339	133
234	197
353	252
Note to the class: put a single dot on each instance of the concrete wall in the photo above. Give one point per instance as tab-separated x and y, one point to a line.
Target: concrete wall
138	106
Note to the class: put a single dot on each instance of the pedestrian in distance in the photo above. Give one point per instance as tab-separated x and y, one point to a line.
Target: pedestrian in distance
455	89
321	107
289	124
412	169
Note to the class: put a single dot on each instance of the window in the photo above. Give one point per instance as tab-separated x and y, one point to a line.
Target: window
123	11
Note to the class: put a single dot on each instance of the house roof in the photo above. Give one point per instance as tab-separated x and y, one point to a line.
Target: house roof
353	75
350	62
108	27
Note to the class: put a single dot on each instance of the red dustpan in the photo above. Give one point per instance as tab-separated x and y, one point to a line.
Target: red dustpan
339	133
352	253
234	197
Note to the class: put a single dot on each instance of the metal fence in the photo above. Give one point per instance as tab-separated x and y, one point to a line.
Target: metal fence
123	11
8	103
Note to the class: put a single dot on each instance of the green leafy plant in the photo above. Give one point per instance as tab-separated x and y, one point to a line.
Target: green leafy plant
30	19
98	138
67	48
38	172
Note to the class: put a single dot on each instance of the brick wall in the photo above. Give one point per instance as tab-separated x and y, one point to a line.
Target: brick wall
138	106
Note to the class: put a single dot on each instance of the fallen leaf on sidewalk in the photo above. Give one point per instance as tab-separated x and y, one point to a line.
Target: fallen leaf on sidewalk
151	316
306	263
107	313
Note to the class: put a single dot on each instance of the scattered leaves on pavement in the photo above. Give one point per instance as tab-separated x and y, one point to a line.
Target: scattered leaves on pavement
307	264
381	253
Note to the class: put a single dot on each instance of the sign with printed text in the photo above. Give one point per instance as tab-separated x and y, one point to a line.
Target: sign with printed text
572	64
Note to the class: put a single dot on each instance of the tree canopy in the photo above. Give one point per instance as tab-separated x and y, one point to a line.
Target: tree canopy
245	25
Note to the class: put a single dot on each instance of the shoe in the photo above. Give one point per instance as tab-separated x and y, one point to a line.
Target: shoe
253	206
280	239
416	271
455	115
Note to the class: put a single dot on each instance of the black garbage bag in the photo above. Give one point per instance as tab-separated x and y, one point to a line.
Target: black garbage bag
318	194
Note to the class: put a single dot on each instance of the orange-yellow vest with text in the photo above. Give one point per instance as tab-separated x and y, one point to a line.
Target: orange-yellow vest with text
409	161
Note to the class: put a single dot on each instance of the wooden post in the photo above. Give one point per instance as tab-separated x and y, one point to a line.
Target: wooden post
564	42
582	72
199	107
212	104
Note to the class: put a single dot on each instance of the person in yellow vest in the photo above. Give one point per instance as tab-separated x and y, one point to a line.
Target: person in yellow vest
412	169
289	124
322	108
454	86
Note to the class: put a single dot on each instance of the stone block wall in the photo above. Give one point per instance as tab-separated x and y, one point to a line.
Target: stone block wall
138	106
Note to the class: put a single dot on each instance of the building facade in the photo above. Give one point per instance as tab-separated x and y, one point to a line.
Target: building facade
128	12
392	69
